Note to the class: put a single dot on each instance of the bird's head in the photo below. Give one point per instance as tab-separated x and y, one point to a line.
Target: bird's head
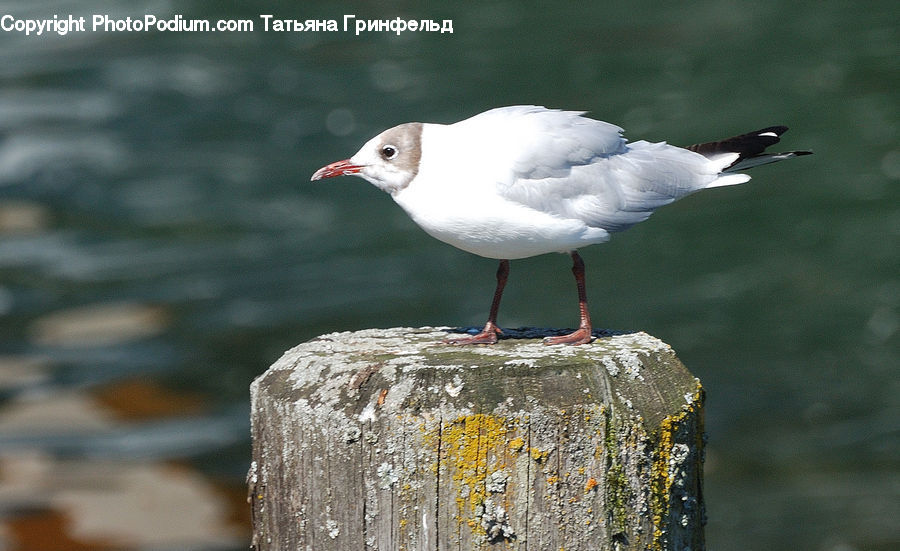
389	161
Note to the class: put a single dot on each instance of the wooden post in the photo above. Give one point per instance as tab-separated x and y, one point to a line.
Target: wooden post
390	440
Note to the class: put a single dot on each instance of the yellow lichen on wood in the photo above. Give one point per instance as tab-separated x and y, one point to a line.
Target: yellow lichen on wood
516	444
539	455
661	478
471	449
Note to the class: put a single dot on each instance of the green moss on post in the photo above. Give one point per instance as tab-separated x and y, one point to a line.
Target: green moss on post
388	439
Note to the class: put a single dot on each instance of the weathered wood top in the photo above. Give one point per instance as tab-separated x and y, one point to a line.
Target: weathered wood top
391	439
465	379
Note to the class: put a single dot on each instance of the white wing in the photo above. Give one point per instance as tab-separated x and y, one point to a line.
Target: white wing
536	142
573	167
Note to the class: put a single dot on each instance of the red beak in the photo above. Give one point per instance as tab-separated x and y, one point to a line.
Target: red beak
339	168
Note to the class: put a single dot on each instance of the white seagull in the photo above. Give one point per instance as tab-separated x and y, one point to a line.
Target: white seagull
520	181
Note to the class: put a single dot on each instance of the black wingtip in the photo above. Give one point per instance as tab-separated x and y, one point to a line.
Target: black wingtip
778	130
750	144
750	148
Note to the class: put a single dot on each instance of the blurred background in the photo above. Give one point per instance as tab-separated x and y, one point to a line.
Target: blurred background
161	245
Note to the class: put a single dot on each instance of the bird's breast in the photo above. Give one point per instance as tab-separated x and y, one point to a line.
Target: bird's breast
482	222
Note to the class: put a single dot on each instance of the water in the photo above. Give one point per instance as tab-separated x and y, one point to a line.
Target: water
160	245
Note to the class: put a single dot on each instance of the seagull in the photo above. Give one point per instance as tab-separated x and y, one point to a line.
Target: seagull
520	181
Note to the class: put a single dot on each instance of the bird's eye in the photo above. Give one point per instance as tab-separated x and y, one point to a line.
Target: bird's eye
389	152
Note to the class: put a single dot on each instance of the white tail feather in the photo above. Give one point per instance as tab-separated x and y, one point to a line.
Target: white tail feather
729	180
751	162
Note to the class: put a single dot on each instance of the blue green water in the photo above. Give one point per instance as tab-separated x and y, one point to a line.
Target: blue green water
171	171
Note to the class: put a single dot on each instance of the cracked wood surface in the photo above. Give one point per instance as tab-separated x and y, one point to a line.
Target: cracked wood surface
389	440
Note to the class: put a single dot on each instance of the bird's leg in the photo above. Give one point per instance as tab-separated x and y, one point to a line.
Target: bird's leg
583	334
489	334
